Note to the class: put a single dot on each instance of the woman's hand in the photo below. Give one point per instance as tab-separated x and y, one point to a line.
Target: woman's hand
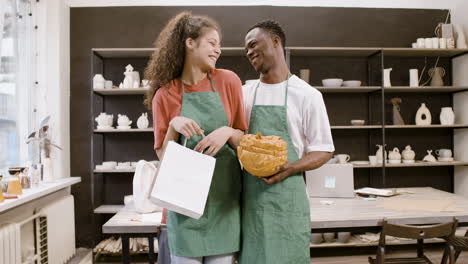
214	141
186	126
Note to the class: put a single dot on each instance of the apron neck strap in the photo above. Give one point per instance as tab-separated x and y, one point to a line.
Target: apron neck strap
286	90
209	78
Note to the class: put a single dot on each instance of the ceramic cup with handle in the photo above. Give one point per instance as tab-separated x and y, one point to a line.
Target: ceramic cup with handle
343	158
444	153
373	160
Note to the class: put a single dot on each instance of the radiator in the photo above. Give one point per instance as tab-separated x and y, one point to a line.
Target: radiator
54	235
59	222
10	244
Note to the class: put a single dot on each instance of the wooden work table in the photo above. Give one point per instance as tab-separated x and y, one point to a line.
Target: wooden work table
358	212
342	214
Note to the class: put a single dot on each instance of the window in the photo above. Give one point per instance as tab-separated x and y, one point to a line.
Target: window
15	81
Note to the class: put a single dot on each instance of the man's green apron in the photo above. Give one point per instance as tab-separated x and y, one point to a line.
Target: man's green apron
218	230
276	217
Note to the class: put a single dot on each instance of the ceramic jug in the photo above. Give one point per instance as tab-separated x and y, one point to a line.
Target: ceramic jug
423	116
436	76
447	117
379	153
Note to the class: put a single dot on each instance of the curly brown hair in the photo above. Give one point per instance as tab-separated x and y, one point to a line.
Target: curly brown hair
167	61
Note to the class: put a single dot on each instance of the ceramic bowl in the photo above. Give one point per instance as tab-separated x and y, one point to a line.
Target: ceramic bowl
316	238
343	237
358	122
15	170
332	82
352	83
394	161
329	237
109	164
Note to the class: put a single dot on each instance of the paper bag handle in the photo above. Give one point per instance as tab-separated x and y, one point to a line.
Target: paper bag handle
185	141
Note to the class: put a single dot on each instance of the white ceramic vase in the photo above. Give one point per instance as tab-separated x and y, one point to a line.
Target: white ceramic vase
47	170
387	82
423	116
447	117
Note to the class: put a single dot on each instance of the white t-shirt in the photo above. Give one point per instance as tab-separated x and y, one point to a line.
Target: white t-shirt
308	123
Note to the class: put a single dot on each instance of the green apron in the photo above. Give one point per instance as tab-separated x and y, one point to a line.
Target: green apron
218	230
276	217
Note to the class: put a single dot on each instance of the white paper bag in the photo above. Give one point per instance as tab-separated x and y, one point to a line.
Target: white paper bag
143	180
183	180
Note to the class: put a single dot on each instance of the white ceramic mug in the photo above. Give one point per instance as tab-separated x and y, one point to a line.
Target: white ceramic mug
108	84
444	153
373	160
428	43
343	158
442	43
420	43
435	43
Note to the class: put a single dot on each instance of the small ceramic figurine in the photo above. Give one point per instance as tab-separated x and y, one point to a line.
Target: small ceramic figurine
423	116
104	121
128	80
123	122
394	156
142	121
408	155
429	157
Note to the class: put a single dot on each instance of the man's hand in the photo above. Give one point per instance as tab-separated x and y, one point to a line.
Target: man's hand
284	171
213	142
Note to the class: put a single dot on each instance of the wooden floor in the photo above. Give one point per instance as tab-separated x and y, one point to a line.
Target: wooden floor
433	253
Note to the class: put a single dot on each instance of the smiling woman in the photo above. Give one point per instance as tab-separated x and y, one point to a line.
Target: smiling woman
192	101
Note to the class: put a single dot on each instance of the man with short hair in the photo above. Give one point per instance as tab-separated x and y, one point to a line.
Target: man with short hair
275	216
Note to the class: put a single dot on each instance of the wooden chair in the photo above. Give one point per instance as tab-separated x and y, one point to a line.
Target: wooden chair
458	243
413	232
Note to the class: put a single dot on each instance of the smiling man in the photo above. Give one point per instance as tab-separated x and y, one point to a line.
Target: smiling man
276	217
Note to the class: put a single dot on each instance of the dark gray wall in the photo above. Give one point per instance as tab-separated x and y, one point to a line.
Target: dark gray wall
123	27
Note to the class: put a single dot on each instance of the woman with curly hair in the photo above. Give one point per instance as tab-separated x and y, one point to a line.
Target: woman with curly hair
191	99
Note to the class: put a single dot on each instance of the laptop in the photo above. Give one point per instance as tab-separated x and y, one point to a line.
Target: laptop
331	180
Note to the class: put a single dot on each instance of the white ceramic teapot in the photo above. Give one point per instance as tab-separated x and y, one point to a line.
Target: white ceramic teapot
123	122
104	121
408	155
394	156
142	121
